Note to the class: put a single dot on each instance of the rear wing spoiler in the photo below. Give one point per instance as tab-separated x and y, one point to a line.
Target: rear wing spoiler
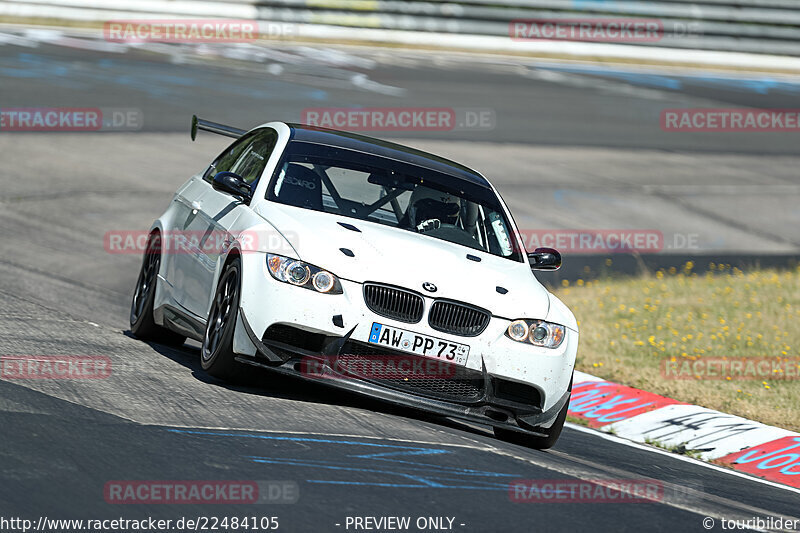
213	127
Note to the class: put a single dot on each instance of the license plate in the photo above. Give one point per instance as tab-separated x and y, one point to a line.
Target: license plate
416	343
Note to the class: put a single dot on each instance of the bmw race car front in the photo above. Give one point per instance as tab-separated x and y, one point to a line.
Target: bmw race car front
448	334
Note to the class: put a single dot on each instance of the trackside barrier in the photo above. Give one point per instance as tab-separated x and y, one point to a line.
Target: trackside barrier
750	26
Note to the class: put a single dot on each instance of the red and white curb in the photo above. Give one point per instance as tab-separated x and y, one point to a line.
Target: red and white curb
752	447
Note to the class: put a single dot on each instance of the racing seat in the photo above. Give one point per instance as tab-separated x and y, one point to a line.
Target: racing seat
301	187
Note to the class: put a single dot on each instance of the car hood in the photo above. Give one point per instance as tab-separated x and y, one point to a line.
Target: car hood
406	259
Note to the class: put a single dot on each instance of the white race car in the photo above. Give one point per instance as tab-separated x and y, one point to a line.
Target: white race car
361	264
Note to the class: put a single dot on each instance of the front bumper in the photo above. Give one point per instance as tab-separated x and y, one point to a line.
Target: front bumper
485	407
542	373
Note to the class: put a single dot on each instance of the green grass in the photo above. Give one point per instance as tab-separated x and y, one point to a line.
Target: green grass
578	421
679	449
630	326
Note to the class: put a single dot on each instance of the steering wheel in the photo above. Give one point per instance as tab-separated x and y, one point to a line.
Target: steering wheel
429	225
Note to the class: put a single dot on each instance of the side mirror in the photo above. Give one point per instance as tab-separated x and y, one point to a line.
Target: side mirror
232	183
545	259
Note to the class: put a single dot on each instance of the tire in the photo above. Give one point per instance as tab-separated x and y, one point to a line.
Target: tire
216	356
534	441
143	326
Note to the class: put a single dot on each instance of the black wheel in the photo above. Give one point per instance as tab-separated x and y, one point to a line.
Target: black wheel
143	325
534	441
217	357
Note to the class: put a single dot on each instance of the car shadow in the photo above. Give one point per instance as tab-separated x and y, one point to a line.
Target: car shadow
262	382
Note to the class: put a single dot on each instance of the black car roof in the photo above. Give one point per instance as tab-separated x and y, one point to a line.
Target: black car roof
399	152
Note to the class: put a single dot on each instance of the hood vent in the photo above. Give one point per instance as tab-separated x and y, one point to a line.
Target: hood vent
351	227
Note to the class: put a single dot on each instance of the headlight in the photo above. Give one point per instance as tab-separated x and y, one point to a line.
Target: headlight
323	281
537	332
298	273
518	330
302	274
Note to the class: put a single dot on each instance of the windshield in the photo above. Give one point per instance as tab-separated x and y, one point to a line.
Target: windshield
385	191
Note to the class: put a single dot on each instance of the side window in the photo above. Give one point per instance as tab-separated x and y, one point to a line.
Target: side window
253	159
227	158
247	156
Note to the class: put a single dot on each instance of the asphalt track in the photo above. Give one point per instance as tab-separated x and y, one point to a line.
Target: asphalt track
159	417
572	146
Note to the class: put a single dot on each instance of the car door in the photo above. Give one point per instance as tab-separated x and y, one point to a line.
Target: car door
217	214
189	225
